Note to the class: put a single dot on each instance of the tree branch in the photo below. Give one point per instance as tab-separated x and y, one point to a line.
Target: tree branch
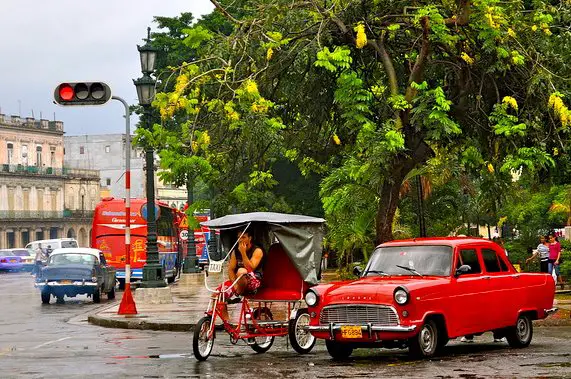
418	69
225	12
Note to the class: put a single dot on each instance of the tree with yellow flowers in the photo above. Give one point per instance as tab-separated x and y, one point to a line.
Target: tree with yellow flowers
362	94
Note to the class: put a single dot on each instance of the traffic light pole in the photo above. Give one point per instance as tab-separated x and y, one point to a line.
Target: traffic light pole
127	306
153	271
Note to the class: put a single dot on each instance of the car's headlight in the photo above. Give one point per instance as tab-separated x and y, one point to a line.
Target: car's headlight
401	295
94	279
311	298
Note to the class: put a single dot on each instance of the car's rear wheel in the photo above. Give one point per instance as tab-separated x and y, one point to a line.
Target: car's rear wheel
301	340
521	334
425	343
111	294
121	284
97	296
338	350
46	297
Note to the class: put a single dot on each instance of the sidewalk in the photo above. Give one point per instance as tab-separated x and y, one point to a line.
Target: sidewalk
190	299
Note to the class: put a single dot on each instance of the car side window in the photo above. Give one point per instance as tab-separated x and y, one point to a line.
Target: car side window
102	260
469	257
491	260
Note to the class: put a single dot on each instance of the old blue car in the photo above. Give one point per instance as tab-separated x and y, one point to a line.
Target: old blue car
76	271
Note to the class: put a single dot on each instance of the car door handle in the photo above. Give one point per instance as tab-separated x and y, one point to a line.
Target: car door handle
486	277
515	276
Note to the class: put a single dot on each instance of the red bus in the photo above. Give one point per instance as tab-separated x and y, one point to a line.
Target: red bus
108	235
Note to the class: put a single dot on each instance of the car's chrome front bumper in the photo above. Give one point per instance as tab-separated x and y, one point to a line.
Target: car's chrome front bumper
368	328
59	284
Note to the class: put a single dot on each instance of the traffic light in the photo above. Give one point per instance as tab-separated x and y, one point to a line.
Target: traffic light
84	93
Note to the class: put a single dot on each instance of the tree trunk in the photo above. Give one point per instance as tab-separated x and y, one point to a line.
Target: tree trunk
390	199
387	208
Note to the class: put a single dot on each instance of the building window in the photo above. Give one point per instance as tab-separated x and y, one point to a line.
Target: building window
81	150
10	153
107	149
39	156
108	181
25	154
53	158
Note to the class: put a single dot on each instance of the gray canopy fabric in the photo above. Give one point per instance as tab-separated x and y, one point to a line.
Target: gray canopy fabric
300	236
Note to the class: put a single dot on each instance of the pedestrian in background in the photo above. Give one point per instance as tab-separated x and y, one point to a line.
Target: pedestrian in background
554	253
541	252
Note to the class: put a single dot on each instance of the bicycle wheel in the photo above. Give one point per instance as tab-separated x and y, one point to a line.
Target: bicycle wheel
263	343
201	343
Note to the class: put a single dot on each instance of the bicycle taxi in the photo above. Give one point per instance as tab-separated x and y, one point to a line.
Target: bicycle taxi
292	259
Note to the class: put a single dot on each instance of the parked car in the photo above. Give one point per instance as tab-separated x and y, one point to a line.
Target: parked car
54	243
28	258
421	293
9	261
75	271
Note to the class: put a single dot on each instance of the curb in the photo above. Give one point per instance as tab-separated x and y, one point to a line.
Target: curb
135	323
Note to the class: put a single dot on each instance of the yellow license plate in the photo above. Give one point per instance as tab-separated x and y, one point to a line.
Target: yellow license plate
351	332
65	282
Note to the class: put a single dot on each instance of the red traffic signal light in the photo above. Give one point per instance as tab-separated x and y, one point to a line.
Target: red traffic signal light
84	93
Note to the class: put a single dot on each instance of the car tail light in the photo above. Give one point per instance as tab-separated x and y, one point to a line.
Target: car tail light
3	260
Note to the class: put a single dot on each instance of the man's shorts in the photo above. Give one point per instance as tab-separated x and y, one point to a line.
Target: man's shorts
254	282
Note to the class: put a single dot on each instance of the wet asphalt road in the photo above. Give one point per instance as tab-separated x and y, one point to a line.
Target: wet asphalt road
55	341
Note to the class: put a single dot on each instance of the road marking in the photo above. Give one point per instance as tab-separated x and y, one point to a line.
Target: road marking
50	342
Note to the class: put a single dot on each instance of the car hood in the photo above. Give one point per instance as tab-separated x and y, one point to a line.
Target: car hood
376	289
71	271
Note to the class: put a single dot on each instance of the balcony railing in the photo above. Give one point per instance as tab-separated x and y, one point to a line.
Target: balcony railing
35	170
28	215
21	215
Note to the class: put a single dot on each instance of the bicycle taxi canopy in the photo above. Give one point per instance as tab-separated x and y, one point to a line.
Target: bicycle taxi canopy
299	236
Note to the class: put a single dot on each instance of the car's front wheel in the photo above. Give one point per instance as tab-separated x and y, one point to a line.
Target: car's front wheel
337	350
97	295
425	343
521	334
301	340
46	297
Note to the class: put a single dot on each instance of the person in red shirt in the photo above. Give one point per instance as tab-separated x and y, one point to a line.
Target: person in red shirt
554	253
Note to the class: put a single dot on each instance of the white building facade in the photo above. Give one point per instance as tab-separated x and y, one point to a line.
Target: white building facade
33	183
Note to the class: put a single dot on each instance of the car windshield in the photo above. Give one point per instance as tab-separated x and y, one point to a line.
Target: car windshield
71	258
410	260
6	253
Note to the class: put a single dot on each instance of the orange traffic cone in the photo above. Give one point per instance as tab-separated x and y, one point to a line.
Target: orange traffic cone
127	306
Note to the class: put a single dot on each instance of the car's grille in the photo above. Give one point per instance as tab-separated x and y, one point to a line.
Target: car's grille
359	314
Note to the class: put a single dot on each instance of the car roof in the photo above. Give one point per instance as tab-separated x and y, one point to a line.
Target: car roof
76	250
443	241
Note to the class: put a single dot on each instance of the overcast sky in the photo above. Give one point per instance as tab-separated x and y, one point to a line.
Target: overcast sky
44	43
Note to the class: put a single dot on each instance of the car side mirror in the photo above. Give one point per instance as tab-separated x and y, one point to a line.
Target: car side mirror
357	271
464	269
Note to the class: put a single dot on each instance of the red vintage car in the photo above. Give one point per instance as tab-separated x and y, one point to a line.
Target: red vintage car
420	293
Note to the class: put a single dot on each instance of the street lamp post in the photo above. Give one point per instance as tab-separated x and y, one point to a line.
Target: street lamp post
153	272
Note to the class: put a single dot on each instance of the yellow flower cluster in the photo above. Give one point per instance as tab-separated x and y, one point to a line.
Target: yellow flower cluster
205	138
336	139
251	87
468	59
510	101
491	168
231	114
270	53
181	83
534	28
556	103
494	20
545	28
361	36
259	107
511	33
